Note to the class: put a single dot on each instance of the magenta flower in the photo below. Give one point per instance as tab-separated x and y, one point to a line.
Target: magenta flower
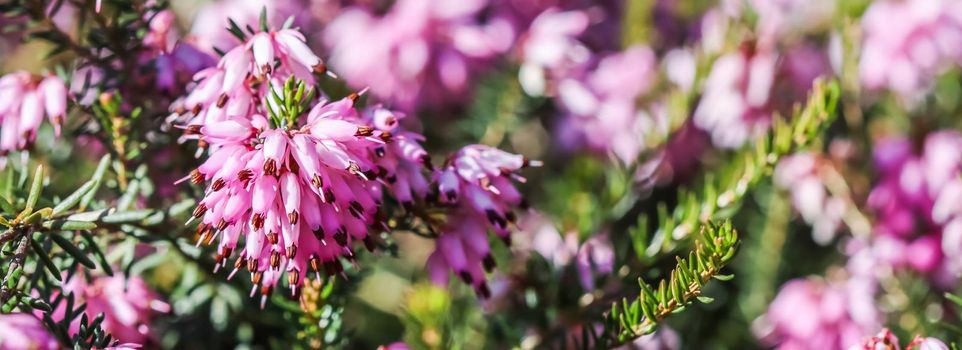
477	182
799	174
234	87
27	98
208	27
602	103
817	314
735	106
886	340
927	343
595	257
25	332
128	305
909	42
419	53
915	198
550	48
300	195
400	162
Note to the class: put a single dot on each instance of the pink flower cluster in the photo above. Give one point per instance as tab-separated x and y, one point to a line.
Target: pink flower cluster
800	174
477	182
234	87
818	314
908	42
299	195
419	53
128	305
301	190
905	198
602	102
885	340
26	99
25	332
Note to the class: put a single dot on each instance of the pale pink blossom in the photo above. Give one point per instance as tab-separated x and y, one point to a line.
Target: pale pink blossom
27	100
908	42
22	331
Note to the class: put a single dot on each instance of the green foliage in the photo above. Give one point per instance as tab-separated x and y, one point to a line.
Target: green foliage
631	319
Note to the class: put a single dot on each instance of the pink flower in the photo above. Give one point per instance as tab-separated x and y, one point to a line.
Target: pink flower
800	175
602	103
243	76
25	332
208	29
419	53
735	106
745	88
886	340
477	182
400	162
299	195
595	257
909	42
128	305
817	314
27	98
928	343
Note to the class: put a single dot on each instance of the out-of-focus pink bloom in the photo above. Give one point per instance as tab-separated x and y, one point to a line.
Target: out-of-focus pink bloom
175	62
27	99
128	305
394	346
419	53
886	340
800	175
914	198
817	314
735	106
596	257
550	47
927	343
208	30
779	18
908	42
664	338
477	181
602	102
25	332
539	234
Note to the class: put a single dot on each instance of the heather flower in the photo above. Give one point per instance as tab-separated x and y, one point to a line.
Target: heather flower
909	42
746	87
913	197
602	102
550	47
477	182
886	340
300	195
400	162
818	314
127	303
27	98
799	174
25	332
735	105
419	53
928	343
664	338
595	257
243	75
208	27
